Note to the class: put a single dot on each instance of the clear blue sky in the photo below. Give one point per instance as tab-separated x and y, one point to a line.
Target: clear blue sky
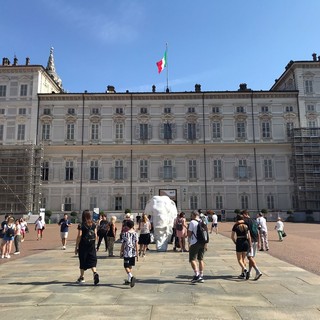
218	44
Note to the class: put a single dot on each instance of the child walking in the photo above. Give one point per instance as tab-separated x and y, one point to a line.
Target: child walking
129	249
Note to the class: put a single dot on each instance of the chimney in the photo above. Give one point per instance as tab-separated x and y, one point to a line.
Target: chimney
197	87
111	89
243	87
27	61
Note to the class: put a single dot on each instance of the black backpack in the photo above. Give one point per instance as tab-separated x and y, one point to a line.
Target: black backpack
90	234
202	235
179	224
10	232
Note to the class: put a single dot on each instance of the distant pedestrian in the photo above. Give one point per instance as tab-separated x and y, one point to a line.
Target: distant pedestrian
111	235
214	224
39	227
103	227
280	228
263	231
24	228
124	227
182	231
241	237
17	236
145	237
86	247
129	250
8	237
196	248
64	224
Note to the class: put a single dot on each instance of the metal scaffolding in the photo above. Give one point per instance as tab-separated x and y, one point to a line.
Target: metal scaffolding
306	167
20	179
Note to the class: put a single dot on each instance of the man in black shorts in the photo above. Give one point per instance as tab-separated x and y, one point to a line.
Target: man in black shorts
129	249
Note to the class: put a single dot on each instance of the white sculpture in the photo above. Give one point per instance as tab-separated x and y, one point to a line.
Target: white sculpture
163	212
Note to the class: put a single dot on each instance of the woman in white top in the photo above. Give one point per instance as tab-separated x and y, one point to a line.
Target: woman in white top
279	226
39	227
17	236
144	238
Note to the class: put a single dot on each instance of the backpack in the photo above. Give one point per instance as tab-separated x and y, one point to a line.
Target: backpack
254	228
179	225
10	232
90	234
202	235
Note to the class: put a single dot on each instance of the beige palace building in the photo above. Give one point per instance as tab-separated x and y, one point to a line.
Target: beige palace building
211	150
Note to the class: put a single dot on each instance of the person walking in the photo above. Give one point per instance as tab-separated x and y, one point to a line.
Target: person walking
39	227
196	248
181	231
64	224
251	253
241	237
144	238
263	230
9	229
128	252
17	236
103	228
214	224
85	247
111	235
280	228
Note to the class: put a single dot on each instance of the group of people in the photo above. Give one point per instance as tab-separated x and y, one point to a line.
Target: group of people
249	236
12	231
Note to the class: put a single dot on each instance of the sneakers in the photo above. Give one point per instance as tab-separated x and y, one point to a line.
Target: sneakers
247	275
257	277
132	282
95	279
126	282
195	279
17	252
63	248
242	276
7	256
80	280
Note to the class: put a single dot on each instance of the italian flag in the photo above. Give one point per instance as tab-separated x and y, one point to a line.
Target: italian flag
162	63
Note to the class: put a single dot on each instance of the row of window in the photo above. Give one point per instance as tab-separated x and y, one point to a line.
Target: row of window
167	171
119	205
167	110
143	131
23	90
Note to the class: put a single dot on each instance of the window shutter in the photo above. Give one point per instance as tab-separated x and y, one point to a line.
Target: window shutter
125	173
113	203
161	133
149	131
161	172
198	131
173	130
100	173
185	130
236	172
249	172
174	173
137	132
112	177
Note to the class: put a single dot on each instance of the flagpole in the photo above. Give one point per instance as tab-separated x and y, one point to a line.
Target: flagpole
167	68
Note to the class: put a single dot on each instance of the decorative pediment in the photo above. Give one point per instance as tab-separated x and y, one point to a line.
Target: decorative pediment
265	116
312	115
240	117
143	118
191	117
71	118
95	118
289	116
215	117
45	118
167	117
